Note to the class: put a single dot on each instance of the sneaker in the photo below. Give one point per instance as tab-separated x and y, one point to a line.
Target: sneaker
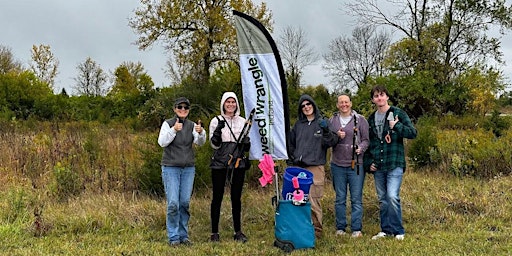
174	243
215	237
186	242
340	232
240	237
400	237
379	235
357	234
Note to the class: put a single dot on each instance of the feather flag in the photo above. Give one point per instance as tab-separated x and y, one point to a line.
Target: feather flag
264	88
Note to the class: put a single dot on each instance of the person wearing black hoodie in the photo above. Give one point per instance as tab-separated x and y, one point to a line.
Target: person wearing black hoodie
310	138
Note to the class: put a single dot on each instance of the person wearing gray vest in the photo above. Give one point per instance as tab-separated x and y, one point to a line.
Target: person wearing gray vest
177	136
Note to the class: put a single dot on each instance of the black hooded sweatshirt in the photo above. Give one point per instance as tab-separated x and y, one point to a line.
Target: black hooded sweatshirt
308	141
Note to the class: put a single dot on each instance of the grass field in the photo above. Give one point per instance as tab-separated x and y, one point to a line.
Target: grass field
443	215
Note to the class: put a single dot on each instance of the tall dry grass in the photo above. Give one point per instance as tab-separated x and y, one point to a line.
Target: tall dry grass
443	214
103	158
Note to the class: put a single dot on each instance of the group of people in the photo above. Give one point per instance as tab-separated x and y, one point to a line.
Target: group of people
177	136
359	146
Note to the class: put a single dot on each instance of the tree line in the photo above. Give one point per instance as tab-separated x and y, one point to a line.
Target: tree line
444	61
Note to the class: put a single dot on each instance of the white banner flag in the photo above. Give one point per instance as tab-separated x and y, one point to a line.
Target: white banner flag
264	89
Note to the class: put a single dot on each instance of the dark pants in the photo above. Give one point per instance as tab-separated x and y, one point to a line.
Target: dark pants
219	177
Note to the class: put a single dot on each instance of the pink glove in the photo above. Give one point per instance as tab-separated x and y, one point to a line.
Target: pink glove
266	166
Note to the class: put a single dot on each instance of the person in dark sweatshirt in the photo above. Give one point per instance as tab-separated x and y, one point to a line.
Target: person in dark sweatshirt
310	138
176	137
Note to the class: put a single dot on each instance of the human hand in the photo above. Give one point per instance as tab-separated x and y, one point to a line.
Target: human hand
323	124
178	125
198	127
393	122
373	167
341	133
220	125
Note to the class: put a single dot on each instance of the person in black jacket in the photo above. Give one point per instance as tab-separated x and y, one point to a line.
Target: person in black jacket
310	138
225	131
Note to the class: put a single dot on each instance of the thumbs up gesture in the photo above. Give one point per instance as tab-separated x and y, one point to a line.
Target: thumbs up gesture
178	125
198	127
393	122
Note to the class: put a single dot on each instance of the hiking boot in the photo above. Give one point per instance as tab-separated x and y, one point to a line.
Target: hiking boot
215	237
400	237
356	234
240	237
340	232
379	235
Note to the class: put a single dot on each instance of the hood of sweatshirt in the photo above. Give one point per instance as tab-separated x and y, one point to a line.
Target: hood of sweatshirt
303	98
226	96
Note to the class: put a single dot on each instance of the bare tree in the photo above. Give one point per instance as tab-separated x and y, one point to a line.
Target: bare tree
91	79
44	64
296	54
7	61
351	61
457	28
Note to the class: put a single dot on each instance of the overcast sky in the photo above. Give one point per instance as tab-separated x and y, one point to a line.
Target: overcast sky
99	29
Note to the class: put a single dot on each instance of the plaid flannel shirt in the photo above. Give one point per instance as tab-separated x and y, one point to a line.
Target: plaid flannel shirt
388	156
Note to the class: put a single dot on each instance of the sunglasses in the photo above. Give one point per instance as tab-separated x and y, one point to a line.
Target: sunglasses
183	107
306	104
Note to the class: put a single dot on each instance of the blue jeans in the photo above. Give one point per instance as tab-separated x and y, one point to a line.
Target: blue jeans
178	184
387	184
341	178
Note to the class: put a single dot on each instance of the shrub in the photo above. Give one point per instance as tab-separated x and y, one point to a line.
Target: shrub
15	207
475	153
423	150
66	182
453	122
496	124
149	177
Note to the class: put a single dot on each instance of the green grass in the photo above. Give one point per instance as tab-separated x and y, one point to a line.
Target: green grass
443	215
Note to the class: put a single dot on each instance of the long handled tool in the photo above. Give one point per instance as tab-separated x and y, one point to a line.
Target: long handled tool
355	158
238	151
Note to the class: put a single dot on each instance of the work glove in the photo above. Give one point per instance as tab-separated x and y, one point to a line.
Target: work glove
220	125
217	134
246	143
323	124
216	139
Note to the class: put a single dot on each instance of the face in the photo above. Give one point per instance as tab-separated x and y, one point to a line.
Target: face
380	99
344	104
182	110
230	106
307	108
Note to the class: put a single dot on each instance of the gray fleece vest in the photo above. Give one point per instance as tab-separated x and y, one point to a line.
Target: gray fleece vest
180	152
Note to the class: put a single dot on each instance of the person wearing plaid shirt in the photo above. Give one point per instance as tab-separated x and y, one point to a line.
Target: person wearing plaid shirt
385	158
